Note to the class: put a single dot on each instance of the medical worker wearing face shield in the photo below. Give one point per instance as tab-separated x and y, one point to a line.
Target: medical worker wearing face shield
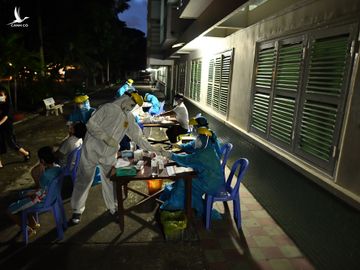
105	129
127	86
196	123
205	161
82	112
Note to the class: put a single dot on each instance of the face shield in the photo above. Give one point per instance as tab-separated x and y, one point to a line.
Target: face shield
87	105
82	102
201	142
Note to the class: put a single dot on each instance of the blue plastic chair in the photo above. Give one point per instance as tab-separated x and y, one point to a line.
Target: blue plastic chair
72	163
225	153
53	202
230	193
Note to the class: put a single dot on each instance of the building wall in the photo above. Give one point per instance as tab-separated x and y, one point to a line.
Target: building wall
305	15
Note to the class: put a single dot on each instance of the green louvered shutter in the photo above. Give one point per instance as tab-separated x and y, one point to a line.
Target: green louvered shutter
197	80
225	82
181	79
286	90
325	92
192	81
260	112
210	83
217	82
262	88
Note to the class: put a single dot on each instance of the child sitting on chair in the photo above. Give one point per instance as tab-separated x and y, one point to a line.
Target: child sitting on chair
36	196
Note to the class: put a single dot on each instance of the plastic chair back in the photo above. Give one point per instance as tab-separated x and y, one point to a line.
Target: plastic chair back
53	202
241	165
72	163
225	153
230	194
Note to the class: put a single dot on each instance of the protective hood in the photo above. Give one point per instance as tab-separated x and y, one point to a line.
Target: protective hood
127	102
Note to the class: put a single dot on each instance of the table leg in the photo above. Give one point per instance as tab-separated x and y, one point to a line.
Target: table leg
188	194
120	201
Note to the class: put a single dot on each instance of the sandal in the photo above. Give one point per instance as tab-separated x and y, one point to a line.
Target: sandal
31	232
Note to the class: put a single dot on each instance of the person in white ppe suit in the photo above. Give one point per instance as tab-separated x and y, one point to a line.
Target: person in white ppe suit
105	129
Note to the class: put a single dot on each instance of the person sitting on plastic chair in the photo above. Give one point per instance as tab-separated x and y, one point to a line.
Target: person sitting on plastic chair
182	117
197	122
205	161
28	198
74	140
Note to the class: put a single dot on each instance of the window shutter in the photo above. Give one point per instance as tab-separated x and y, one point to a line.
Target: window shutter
263	83
260	112
286	90
210	82
265	67
299	92
182	74
192	79
324	95
195	80
217	82
225	83
198	80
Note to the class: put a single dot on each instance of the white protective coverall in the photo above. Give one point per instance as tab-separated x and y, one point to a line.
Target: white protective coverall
105	129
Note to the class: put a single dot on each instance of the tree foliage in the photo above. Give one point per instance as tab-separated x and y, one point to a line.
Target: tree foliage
83	33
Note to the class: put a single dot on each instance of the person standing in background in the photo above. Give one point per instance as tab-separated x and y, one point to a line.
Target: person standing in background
125	87
7	136
82	111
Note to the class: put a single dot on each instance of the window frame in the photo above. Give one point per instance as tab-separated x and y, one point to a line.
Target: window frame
301	96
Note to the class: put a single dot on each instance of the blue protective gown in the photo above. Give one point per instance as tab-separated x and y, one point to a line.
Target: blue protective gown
81	115
155	108
123	89
210	177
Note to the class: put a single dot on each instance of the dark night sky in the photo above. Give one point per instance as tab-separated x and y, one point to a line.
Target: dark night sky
135	16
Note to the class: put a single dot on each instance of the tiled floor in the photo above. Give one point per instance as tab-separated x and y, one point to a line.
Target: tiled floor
261	244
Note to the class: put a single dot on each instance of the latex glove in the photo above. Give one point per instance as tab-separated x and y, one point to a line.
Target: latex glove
111	142
166	153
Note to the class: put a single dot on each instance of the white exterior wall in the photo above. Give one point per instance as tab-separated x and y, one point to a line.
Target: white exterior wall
306	15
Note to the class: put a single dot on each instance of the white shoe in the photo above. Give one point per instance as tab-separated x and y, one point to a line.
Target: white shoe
75	218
